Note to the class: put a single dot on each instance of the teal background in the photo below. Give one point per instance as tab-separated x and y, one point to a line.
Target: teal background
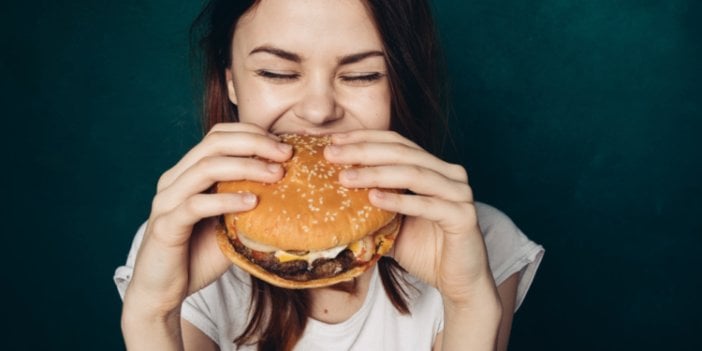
579	119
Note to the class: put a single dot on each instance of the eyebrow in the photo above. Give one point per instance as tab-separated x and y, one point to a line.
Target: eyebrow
286	55
353	58
291	56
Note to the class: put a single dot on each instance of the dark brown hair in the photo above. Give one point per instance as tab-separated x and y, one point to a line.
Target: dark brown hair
415	74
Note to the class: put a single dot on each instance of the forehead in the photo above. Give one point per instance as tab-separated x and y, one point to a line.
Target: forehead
308	26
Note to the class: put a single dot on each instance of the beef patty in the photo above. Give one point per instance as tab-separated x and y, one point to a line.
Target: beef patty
298	270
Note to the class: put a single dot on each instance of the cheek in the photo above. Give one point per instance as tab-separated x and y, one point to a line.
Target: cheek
373	108
261	105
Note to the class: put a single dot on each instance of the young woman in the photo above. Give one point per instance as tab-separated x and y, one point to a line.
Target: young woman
366	73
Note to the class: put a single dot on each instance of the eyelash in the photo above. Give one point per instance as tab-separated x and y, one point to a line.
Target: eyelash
277	76
290	77
363	78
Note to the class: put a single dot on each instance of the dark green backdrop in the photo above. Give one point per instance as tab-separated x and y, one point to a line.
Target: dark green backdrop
579	119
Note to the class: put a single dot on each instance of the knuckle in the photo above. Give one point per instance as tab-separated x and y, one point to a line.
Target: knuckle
399	148
206	163
395	135
414	172
425	201
158	224
219	127
192	205
470	215
214	137
459	172
467	193
157	203
164	180
397	152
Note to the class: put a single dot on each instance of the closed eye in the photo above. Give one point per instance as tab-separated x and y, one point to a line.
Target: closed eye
362	78
276	76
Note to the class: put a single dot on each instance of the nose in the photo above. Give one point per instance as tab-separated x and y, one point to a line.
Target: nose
318	104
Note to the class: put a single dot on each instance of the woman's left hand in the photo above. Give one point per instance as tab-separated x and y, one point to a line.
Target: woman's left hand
440	241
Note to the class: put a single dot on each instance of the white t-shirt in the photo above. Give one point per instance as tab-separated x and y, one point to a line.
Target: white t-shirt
220	310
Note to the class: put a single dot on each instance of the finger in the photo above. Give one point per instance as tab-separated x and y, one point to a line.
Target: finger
207	171
241	127
419	180
228	144
372	154
372	135
175	227
451	216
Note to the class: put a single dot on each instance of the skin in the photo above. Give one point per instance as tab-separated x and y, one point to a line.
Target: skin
313	67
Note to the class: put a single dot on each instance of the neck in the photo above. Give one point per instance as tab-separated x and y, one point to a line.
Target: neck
334	305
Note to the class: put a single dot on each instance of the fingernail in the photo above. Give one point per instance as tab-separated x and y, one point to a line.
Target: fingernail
377	194
333	149
273	167
249	199
273	136
350	174
284	147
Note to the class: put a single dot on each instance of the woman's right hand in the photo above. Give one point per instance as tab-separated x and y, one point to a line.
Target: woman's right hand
179	254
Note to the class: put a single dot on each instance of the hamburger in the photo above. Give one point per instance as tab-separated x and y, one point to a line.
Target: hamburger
307	230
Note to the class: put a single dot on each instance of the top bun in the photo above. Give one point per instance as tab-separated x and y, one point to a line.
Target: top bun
307	209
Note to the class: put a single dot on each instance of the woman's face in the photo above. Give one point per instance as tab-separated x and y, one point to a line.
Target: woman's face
309	67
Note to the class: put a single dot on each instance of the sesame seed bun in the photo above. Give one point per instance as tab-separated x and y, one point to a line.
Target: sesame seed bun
307	210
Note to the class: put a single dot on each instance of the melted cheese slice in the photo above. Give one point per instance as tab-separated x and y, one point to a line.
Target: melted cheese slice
284	256
362	249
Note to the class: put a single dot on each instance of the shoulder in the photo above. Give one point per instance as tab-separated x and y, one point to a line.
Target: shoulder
499	231
492	220
509	250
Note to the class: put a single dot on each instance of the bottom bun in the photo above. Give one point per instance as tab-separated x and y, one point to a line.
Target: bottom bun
257	271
